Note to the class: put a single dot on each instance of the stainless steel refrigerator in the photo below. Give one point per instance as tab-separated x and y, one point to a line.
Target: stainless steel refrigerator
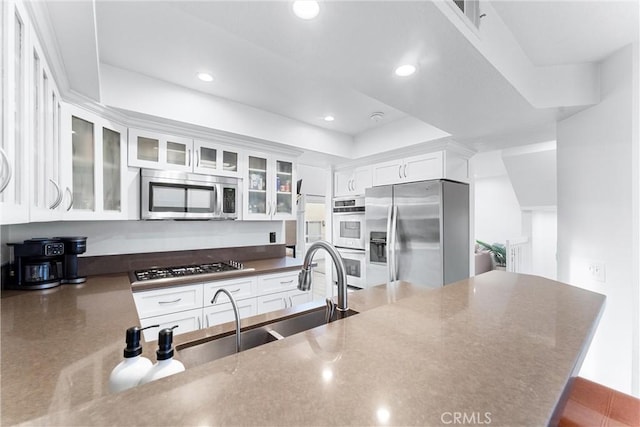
417	232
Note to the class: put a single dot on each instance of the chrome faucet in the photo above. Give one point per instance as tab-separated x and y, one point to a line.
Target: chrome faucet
304	278
235	311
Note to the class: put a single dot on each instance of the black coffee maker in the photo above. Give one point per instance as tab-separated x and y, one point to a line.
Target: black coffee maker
37	264
44	263
73	246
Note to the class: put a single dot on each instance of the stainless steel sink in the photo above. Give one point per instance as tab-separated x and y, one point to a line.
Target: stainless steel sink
202	351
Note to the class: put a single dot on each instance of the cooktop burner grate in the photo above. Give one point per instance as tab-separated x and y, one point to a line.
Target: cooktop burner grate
186	270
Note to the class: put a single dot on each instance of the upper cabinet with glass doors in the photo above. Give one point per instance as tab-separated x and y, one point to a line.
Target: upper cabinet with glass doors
30	173
95	149
212	158
270	190
15	62
152	150
46	178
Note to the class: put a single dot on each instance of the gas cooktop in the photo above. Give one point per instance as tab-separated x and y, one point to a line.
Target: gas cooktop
168	274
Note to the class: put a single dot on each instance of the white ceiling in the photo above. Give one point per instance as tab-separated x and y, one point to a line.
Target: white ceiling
570	32
342	63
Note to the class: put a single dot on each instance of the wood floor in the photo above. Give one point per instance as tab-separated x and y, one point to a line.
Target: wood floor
593	405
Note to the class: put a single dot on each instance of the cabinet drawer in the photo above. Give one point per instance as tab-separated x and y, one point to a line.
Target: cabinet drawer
239	288
187	321
277	282
272	302
169	300
222	313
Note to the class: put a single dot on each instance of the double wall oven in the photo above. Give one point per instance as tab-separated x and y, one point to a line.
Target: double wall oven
349	238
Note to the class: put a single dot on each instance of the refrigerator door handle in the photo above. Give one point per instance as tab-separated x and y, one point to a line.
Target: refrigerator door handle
387	247
394	237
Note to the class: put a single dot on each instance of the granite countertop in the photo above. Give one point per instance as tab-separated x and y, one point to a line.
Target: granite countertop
499	345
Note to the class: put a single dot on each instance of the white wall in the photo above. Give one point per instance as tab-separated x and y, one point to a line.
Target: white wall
596	194
544	238
122	237
497	215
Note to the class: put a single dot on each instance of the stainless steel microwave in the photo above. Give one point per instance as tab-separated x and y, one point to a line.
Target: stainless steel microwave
180	195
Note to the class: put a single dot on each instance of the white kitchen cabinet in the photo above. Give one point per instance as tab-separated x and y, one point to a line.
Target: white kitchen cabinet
30	172
153	150
437	165
416	168
222	312
45	137
212	158
14	104
279	290
281	300
352	182
187	321
164	301
242	288
277	282
269	188
94	158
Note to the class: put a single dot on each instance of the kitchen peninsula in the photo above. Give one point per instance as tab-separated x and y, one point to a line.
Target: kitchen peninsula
499	348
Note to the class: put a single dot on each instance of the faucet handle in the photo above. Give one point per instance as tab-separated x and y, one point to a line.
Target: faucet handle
331	308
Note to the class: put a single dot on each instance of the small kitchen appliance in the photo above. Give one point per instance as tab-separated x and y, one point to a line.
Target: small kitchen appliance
37	264
73	246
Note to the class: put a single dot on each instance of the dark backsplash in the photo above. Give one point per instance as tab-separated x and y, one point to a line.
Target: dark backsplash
107	264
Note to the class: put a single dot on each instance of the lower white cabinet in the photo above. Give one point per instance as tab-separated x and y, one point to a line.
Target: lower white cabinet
280	290
187	321
163	301
240	289
222	313
190	307
276	282
281	300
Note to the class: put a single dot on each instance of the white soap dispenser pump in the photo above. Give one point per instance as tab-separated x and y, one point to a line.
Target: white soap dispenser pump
166	364
128	373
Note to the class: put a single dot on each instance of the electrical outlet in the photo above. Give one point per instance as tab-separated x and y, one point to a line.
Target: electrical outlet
272	237
596	271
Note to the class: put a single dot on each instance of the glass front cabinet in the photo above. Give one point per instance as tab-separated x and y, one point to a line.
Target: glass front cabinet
95	151
211	158
270	188
152	150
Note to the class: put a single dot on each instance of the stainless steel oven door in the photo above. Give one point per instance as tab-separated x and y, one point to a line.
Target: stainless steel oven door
355	267
348	230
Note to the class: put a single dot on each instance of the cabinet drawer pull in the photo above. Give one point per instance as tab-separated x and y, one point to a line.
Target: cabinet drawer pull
400	171
286	282
405	170
235	290
170	302
274	299
199	325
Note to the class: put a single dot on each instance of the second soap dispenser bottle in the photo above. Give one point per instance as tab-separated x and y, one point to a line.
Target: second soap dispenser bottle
166	364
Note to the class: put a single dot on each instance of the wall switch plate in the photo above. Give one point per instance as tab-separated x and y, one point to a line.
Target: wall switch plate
596	271
272	237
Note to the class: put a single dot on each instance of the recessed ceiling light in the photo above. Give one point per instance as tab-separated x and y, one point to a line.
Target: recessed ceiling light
306	9
405	70
205	77
329	118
